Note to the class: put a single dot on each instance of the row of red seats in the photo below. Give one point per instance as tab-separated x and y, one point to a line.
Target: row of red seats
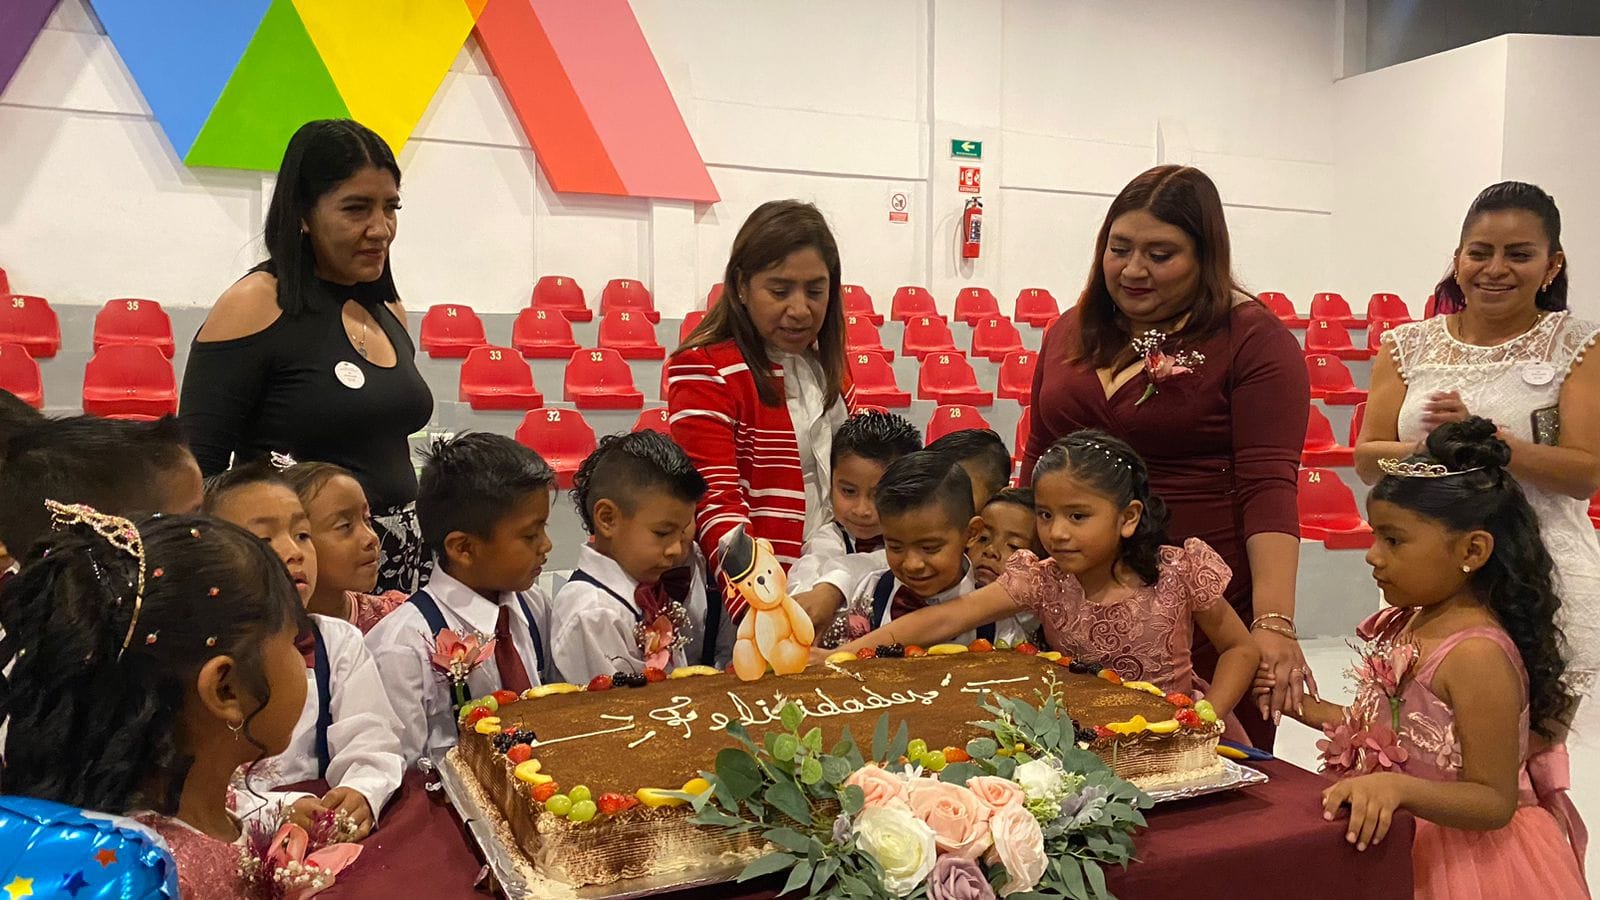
120	381
942	377
451	331
993	338
29	322
1333	307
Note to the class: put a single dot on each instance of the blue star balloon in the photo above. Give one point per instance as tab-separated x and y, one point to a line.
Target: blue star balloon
51	850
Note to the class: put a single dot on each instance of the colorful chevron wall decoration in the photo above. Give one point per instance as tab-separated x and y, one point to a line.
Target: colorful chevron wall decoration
229	82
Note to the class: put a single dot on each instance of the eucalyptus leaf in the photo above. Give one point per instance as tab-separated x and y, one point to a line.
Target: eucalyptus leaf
788	839
823	873
835	769
810	771
982	748
798	876
959	773
880	739
738	732
766	865
790	715
902	738
1005	766
851	799
738	770
1097	879
787	798
1072	877
813	741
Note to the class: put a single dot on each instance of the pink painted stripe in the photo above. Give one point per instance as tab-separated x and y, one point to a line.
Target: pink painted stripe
620	86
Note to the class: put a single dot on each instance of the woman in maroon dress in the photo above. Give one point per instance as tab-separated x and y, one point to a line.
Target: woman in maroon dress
1220	421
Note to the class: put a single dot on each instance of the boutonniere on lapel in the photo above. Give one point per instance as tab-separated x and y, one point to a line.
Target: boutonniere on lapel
1159	365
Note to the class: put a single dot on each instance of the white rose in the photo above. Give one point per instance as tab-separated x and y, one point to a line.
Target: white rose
900	842
1040	779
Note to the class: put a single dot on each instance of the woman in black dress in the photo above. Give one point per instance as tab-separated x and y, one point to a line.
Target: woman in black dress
308	354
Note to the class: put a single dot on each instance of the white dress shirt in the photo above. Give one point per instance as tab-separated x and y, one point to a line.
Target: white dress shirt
402	645
594	629
825	559
814	423
1014	629
363	749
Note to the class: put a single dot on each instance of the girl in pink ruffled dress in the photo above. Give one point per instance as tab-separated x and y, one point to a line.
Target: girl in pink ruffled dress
1458	679
1113	590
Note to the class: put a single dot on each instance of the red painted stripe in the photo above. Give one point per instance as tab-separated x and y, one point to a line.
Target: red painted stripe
627	99
564	139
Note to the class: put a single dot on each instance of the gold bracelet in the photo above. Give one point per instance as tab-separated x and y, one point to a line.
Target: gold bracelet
1271	615
1278	629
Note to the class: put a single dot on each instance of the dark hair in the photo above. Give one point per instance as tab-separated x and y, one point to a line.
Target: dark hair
881	437
471	481
1517	583
1184	197
624	466
95	726
1511	195
321	155
242	476
117	466
15	418
309	478
1113	470
776	229
1017	496
923	479
980	446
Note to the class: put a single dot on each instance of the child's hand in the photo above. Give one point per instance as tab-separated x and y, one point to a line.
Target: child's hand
1372	800
355	806
303	811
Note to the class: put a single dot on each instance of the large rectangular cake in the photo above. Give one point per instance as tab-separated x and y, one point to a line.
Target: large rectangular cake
630	742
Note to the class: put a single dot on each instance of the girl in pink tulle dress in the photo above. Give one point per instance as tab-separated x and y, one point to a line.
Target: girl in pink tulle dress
1113	591
1457	680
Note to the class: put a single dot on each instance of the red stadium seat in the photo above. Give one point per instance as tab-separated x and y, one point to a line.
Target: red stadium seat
691	321
858	302
924	335
30	322
974	303
5	283
1431	308
951	418
1016	376
861	336
1329	305
1594	511
631	335
631	295
1321	448
874	382
913	302
1388	307
1328	512
497	378
600	379
1331	381
1356	418
995	338
19	374
1283	308
561	436
451	331
543	334
129	381
561	292
1036	307
713	295
1376	328
1328	336
132	320
948	378
653	420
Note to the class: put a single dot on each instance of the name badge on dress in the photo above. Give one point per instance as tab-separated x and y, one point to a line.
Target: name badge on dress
350	375
1538	374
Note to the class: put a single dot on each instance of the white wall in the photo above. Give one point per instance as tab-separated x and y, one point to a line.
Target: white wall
833	101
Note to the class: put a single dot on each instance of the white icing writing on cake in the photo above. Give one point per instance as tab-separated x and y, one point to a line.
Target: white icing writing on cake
978	687
677	715
822	708
647	736
626	726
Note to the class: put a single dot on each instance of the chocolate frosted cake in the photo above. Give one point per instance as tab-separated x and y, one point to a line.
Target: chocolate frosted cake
626	745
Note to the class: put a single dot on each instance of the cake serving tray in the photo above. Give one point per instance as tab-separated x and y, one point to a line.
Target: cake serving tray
1232	777
515	875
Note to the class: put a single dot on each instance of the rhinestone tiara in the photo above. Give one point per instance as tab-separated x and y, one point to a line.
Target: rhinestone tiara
1400	469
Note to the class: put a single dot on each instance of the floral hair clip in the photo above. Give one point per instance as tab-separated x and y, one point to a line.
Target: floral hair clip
1401	469
281	461
119	533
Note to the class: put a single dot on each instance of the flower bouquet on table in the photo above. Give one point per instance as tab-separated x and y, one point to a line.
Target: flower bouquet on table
295	863
1024	811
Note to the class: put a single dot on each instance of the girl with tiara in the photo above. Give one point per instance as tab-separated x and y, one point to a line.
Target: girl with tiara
1112	588
146	663
1467	657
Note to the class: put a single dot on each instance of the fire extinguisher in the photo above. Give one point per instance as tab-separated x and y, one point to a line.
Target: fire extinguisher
972	229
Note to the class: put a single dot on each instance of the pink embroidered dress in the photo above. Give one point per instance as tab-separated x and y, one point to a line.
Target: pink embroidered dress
207	867
367	610
1143	638
1529	857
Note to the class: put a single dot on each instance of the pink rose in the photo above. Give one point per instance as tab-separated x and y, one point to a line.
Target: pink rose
1019	846
960	822
881	788
995	792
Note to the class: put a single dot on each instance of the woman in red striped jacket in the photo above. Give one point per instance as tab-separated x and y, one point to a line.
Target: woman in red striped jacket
756	391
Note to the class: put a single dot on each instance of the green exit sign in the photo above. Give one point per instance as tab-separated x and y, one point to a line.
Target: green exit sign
967	149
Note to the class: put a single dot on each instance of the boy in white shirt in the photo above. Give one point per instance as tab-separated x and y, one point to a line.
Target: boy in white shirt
843	551
925	506
626	611
483	502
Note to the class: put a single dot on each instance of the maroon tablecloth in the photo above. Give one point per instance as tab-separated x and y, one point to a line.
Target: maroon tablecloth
1264	841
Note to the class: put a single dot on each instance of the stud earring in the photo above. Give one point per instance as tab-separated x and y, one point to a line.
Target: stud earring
1466	570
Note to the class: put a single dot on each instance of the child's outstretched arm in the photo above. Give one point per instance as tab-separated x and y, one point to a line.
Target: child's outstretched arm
1484	692
1236	664
941	621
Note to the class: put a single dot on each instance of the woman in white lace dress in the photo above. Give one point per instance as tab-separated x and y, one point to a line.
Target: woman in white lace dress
1507	349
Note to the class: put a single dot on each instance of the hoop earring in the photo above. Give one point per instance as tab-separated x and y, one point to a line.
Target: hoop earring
237	728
